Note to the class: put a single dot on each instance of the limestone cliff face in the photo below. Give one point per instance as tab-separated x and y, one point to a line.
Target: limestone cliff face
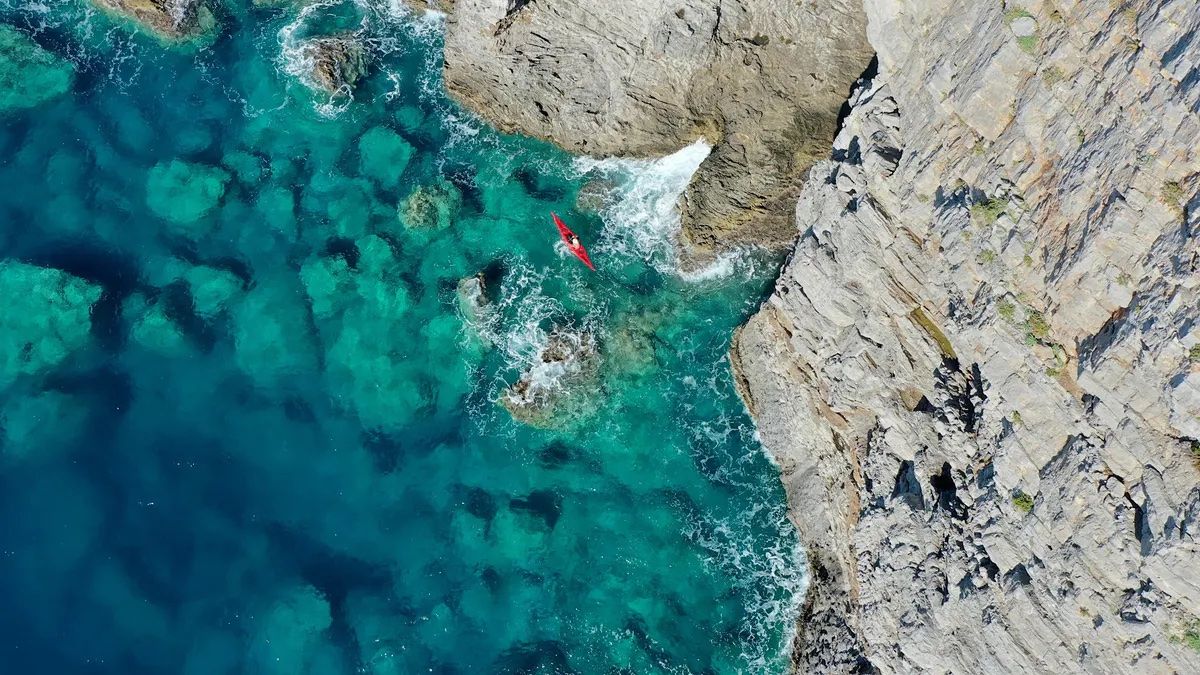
980	371
762	80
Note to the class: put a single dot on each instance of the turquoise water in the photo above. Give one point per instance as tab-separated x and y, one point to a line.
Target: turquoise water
250	425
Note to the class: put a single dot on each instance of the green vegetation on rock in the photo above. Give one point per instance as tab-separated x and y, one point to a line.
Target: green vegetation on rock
1037	326
1006	310
934	332
989	210
29	75
1189	635
1022	501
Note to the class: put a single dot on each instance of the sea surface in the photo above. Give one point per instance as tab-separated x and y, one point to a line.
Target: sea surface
250	424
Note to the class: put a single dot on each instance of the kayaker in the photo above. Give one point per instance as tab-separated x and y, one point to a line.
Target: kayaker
574	242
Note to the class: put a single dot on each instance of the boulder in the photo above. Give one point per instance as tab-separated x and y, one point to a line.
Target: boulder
548	392
170	19
338	63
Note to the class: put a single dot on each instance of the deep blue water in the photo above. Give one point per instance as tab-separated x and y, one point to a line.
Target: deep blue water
250	426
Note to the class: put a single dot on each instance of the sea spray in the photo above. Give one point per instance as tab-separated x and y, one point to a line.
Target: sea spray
643	218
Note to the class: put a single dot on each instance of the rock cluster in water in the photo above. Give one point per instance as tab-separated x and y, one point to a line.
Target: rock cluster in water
47	318
546	392
338	63
172	19
979	372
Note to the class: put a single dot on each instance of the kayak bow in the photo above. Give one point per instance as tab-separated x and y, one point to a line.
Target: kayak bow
579	251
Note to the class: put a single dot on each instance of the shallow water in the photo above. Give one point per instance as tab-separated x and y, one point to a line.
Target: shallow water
275	444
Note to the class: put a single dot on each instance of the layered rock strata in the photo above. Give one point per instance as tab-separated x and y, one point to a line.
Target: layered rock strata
980	370
762	80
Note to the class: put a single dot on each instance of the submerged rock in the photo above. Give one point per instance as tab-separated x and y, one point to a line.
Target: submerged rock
595	195
546	394
172	19
212	289
432	207
384	155
338	63
183	192
361	305
289	636
29	75
46	318
273	337
40	426
153	328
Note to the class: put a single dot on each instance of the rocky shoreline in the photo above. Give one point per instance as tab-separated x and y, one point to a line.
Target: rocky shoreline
979	372
763	82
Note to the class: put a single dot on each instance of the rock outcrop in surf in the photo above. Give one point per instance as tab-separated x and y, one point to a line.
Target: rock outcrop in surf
762	81
337	63
171	19
547	391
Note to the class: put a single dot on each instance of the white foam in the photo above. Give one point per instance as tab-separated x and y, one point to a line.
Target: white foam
643	218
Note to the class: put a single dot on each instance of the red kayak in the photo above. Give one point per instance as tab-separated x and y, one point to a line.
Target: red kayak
569	236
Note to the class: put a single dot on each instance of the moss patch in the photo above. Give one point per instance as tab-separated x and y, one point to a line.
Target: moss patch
988	211
1022	501
936	333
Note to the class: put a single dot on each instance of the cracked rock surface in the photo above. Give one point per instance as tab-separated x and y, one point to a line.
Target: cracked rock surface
762	80
980	370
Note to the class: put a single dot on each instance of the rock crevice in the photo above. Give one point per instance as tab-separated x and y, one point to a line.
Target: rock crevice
763	81
983	406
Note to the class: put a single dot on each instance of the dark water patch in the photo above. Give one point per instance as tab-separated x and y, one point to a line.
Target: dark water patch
345	249
544	504
109	390
480	503
556	455
117	273
539	185
386	450
543	657
179	308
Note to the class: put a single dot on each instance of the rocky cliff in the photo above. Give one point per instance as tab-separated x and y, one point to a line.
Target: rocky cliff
761	80
980	370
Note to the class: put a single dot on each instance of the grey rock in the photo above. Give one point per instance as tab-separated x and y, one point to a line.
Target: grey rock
994	295
549	391
762	80
171	19
338	63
